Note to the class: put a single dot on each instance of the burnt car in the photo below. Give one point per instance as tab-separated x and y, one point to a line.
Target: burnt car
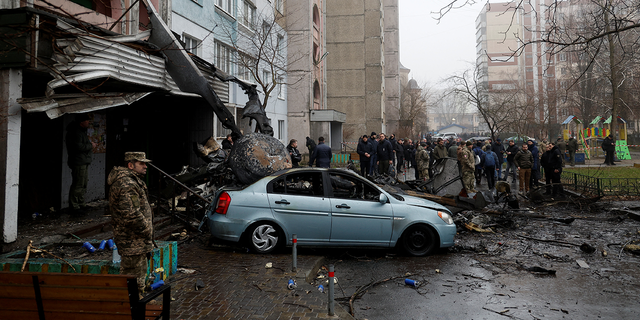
327	207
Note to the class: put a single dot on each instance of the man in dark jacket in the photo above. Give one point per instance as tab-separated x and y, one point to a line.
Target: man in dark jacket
524	161
572	147
552	163
511	151
311	145
321	155
385	154
609	147
374	157
498	148
535	170
296	157
392	140
365	151
80	152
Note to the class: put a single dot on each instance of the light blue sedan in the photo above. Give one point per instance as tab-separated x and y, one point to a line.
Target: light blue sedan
327	207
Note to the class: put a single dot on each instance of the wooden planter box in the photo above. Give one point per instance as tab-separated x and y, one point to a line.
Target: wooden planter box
165	256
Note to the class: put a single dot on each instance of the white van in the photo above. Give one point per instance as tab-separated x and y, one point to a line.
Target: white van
446	135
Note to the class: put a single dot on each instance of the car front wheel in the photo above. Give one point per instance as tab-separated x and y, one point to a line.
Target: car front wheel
264	238
419	240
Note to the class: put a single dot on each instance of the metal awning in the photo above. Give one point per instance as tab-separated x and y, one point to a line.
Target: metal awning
328	115
88	58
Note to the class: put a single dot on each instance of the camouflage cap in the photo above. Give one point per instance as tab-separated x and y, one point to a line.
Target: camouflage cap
138	156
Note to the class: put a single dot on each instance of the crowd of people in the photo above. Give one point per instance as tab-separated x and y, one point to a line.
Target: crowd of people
526	163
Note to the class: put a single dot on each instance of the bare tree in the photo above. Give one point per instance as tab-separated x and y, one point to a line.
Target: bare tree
501	109
261	52
412	111
602	33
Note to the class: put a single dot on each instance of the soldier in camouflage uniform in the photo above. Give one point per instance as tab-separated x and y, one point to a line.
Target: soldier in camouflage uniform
422	157
466	157
131	214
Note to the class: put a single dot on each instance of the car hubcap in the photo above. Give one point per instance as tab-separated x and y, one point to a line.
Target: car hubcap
418	240
264	238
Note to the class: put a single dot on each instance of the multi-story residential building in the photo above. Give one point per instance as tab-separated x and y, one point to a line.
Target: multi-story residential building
501	30
308	113
228	33
61	57
362	38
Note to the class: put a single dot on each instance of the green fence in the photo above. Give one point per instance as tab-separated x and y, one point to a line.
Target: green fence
601	186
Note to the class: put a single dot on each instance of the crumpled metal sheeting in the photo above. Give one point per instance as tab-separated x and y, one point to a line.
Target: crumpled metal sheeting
257	155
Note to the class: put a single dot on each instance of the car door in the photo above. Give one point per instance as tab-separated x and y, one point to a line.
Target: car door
357	216
298	202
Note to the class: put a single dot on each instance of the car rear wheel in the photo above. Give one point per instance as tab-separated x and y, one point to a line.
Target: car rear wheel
419	240
264	238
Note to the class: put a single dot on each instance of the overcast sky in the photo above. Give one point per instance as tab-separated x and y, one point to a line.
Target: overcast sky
435	51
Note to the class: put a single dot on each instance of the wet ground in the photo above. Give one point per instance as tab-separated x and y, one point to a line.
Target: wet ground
528	270
530	266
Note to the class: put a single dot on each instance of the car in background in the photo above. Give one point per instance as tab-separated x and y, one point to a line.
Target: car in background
327	208
446	135
520	139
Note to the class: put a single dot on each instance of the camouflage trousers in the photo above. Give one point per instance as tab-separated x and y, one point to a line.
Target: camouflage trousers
424	173
136	265
468	180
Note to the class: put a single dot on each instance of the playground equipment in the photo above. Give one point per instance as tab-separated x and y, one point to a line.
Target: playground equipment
598	130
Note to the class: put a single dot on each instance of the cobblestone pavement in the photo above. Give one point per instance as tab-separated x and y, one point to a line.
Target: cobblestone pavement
237	285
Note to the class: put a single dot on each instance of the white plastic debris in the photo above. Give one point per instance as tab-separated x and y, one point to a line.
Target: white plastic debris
269	265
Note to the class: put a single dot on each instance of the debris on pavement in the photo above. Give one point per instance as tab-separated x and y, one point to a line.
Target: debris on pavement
582	264
199	284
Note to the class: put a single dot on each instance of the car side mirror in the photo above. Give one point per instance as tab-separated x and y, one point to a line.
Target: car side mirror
383	198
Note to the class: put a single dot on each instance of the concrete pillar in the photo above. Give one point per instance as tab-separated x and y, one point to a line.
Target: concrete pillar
10	129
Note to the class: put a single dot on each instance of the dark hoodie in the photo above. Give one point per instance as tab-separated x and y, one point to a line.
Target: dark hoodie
533	147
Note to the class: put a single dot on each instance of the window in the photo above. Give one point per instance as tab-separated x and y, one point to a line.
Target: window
225	5
282	87
280	44
266	77
248	14
303	183
280	129
529	69
223	57
347	187
244	67
562	57
192	45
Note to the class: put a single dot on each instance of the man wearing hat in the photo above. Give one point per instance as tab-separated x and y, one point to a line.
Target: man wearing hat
131	214
80	153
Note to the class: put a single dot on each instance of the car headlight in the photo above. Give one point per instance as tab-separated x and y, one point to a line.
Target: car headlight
445	217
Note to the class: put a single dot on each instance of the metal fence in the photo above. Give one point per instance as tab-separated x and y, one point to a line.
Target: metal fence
601	186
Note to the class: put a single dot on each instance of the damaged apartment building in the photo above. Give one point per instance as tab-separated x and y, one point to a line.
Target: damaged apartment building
60	58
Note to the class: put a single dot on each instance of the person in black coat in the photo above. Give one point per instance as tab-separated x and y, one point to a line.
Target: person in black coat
321	155
552	163
296	157
609	147
385	154
365	149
